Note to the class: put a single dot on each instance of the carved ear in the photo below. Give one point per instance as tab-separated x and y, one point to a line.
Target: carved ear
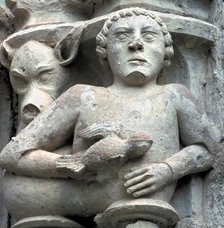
67	48
11	3
6	55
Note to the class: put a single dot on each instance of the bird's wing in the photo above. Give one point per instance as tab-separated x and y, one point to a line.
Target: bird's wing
100	130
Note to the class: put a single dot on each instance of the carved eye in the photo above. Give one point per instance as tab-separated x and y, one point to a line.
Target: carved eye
122	35
19	82
44	77
148	36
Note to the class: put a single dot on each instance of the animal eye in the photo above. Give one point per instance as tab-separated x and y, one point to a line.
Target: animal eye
44	76
19	83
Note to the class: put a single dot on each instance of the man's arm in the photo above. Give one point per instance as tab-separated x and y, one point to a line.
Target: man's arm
27	153
197	133
194	125
154	176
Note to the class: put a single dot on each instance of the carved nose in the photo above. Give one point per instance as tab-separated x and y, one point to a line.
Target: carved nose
136	45
30	111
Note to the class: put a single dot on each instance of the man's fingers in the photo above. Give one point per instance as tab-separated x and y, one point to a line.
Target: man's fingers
136	180
135	173
60	160
140	186
145	191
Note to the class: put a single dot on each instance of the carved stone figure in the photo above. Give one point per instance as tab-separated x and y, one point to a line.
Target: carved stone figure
38	75
136	45
112	148
32	13
37	78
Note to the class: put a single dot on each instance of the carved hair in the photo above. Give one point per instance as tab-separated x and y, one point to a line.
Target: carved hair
101	38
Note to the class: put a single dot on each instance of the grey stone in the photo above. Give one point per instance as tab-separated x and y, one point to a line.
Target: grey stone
76	177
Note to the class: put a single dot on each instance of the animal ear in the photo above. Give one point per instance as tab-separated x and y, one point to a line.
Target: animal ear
6	54
11	3
67	48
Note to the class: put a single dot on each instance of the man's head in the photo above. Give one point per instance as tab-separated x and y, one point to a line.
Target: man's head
135	42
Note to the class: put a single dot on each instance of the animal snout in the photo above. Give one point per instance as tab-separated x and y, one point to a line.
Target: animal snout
29	112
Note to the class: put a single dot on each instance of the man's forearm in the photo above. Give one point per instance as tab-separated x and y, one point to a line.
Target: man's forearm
37	163
191	159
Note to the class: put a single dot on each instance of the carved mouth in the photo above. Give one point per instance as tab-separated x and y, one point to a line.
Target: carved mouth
137	61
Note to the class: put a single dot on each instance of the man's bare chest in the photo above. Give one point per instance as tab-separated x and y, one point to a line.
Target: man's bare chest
146	112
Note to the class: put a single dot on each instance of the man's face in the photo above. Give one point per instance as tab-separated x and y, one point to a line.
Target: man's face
135	49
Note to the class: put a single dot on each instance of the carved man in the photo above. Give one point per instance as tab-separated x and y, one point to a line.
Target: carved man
137	46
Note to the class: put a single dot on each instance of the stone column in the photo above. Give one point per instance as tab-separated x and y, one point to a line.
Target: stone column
6	99
214	194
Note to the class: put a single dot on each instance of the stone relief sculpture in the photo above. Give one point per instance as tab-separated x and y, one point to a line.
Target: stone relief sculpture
143	136
33	13
38	79
38	75
113	149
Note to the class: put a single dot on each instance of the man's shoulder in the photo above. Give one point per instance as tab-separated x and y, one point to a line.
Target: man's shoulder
177	90
181	96
79	89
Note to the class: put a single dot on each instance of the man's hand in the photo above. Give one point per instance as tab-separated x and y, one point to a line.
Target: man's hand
148	179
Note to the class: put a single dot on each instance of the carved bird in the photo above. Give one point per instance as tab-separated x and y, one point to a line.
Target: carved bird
111	149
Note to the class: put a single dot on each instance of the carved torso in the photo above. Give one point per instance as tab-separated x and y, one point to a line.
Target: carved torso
151	112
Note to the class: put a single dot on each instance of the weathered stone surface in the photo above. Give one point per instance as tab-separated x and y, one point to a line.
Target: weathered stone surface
214	194
96	180
5	106
6	27
119	214
136	101
6	124
31	13
46	221
198	9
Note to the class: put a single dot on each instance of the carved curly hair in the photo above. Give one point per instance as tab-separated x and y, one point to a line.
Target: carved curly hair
101	39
